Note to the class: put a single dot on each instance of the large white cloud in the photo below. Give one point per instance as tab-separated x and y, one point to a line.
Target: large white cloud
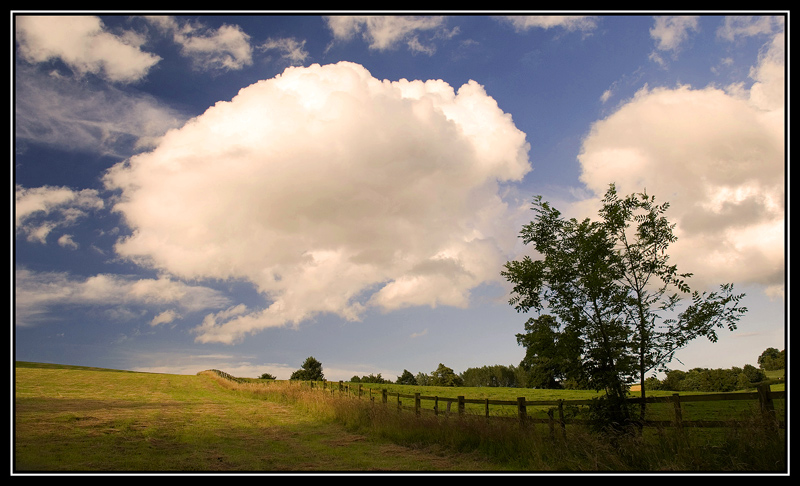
718	157
331	191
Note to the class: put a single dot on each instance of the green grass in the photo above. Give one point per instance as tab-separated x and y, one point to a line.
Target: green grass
88	420
83	419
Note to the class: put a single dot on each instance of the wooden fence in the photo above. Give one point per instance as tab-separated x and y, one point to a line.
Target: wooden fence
556	414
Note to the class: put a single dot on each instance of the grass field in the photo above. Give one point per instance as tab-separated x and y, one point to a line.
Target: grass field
91	420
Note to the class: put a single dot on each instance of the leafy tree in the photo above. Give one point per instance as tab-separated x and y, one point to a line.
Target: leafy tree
267	376
370	379
552	356
772	359
423	379
310	371
406	378
444	376
641	234
576	280
753	374
495	375
610	282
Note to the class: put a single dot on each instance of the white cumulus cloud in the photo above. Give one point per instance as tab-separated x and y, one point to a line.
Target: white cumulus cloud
331	191
718	157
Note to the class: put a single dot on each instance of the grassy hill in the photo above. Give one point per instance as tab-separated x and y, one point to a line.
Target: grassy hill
81	419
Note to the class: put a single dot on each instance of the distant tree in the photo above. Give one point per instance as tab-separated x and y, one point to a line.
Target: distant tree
355	379
370	379
423	379
406	378
310	371
267	376
753	374
444	376
495	375
772	359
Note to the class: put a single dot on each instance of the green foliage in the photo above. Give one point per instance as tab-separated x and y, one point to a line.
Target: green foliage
495	375
552	356
444	376
712	380
369	379
406	378
772	359
267	376
612	289
310	371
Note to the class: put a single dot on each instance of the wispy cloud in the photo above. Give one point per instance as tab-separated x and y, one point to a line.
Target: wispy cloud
387	32
38	295
40	210
225	48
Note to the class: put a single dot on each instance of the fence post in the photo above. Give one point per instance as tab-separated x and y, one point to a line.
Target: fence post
522	411
460	405
341	386
416	404
767	407
487	408
551	423
359	390
436	405
561	418
676	403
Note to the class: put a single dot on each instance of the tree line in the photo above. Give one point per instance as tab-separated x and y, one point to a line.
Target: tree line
524	376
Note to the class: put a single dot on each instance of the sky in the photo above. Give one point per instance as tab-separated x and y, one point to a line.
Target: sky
240	192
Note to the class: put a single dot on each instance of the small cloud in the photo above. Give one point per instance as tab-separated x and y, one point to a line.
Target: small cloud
291	49
384	33
567	22
670	32
419	334
165	318
226	48
67	242
39	210
84	45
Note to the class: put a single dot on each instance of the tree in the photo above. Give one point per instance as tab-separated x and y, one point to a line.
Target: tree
406	378
310	371
641	235
267	376
575	279
552	356
772	359
495	375
609	281
444	376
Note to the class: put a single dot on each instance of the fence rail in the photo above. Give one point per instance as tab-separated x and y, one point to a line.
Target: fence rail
556	415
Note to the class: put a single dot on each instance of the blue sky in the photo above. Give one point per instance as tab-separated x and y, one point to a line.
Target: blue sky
240	192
